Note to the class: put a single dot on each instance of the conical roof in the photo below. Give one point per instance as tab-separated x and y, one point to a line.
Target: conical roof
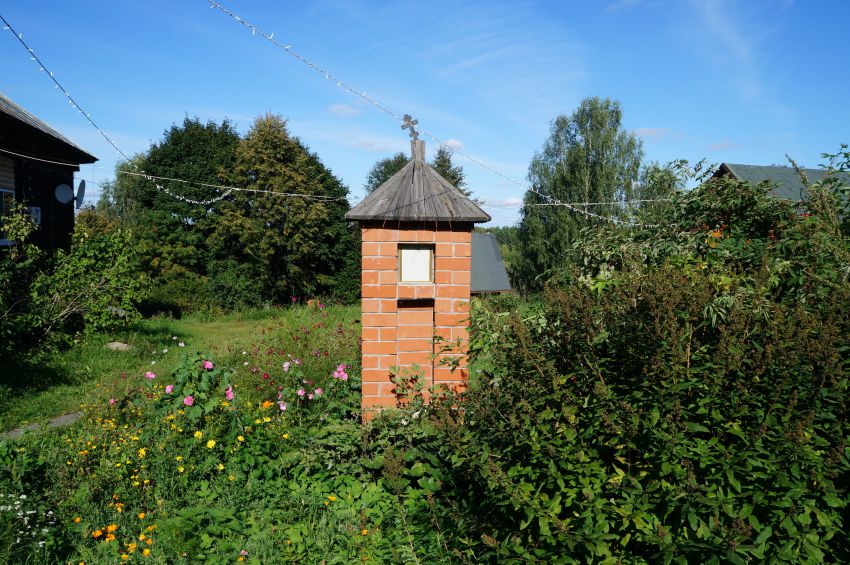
418	192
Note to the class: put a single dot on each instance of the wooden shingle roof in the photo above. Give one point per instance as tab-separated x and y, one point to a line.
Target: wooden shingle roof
418	192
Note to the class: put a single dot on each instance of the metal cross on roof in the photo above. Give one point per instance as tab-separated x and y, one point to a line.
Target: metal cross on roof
410	123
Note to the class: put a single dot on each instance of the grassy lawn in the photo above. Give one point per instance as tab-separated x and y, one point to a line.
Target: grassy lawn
59	383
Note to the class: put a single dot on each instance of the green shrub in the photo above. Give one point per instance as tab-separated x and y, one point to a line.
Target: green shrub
683	397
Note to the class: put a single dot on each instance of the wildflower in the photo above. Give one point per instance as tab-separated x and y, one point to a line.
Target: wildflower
76	519
282	406
188	401
340	373
364	532
146	552
319	392
228	394
285	436
266	376
142	453
109	537
165	350
174	338
240	438
231	478
112	401
199	434
332	498
310	396
96	534
266	419
168	389
141	515
124	557
132	547
286	366
111	528
301	392
220	467
181	344
179	458
180	469
211	444
266	404
243	552
207	365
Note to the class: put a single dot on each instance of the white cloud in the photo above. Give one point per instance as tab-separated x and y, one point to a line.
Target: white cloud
454	143
723	146
504	203
344	110
651	132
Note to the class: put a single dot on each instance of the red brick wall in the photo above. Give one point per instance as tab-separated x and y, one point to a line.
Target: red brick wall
402	334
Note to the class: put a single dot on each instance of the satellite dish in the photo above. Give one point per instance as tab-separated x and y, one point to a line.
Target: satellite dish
81	193
63	193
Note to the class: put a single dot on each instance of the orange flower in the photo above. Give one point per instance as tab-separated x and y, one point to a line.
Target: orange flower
111	528
76	520
96	534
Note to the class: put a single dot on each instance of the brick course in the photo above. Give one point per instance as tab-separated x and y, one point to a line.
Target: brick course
403	335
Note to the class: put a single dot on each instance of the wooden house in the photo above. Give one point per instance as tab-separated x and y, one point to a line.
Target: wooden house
27	145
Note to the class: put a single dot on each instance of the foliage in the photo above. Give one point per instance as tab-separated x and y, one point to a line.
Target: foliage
588	157
49	299
383	169
680	396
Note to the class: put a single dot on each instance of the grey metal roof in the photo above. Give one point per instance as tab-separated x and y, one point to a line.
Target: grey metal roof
418	192
488	270
12	109
787	181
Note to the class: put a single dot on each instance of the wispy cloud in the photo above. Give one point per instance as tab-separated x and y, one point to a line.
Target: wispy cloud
723	146
652	132
453	143
504	203
621	5
344	110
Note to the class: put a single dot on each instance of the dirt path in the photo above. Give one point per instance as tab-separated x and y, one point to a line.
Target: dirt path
57	422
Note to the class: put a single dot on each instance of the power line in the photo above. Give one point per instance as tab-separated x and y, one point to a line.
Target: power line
228	189
342	84
43	67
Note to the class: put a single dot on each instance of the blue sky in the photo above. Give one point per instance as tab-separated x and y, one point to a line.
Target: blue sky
736	81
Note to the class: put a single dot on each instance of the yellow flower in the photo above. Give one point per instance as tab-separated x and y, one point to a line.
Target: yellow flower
179	458
76	520
111	528
285	436
96	534
220	467
131	548
142	536
141	515
231	478
266	419
258	421
146	552
199	434
142	453
180	469
110	537
211	444
332	498
240	438
364	532
124	557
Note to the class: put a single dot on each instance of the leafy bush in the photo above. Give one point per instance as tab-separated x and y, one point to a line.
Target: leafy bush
682	397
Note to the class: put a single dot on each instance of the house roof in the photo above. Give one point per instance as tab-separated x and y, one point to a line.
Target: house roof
418	192
787	180
488	270
11	109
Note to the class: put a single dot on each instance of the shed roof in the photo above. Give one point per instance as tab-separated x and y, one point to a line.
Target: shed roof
418	192
11	109
788	182
488	270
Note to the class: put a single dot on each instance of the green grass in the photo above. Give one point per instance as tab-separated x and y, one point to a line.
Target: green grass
52	384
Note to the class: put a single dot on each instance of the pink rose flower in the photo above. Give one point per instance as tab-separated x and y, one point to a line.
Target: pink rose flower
228	394
168	389
188	401
207	365
150	375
